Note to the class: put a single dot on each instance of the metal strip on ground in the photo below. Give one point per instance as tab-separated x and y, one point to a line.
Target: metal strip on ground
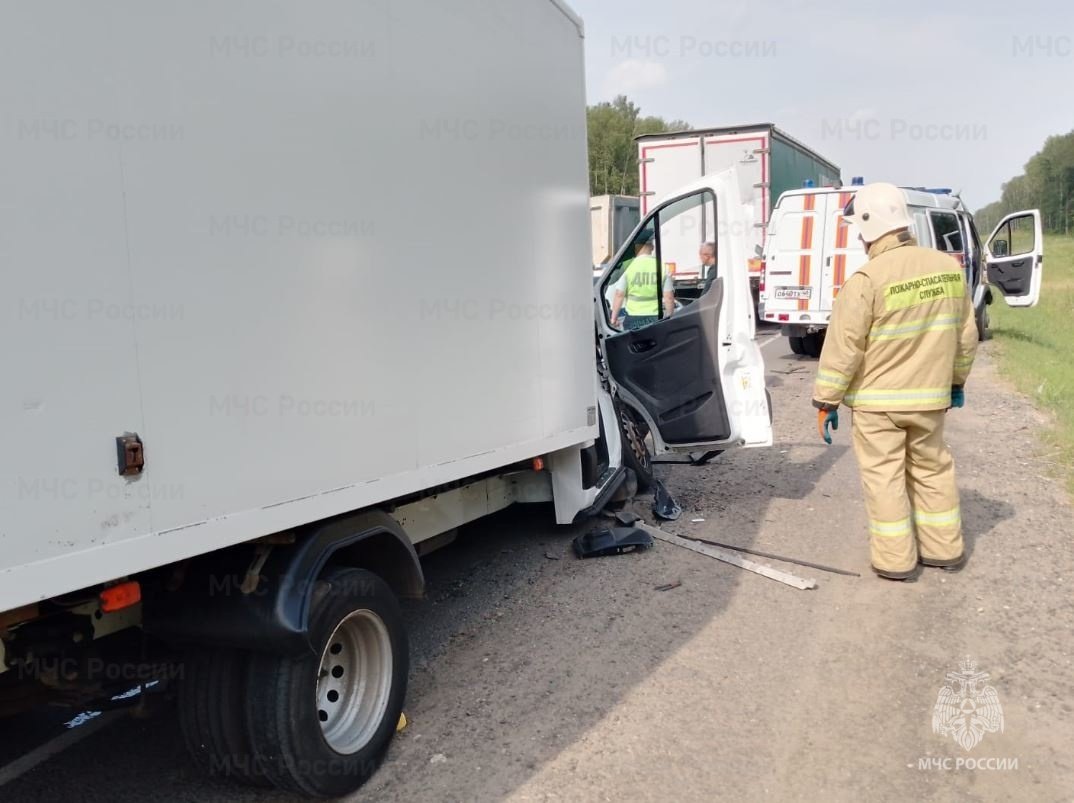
734	558
53	747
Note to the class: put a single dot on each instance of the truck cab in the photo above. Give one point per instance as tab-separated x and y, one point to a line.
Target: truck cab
812	250
694	379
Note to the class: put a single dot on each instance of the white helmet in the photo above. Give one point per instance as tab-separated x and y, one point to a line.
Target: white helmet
878	209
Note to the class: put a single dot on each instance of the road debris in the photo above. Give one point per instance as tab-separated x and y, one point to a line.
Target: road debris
615	541
669	586
664	506
773	556
705	458
729	556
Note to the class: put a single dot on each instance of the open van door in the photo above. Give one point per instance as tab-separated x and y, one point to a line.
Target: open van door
1015	256
692	371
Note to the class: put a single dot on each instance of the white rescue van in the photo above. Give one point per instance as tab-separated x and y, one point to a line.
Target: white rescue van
811	251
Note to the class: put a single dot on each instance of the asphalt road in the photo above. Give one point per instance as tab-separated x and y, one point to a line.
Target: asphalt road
541	677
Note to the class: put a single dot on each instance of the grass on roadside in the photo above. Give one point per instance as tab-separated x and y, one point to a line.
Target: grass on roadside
1036	349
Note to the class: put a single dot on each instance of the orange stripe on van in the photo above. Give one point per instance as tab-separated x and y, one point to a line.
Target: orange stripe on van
840	273
806	260
842	234
842	231
807	232
804	264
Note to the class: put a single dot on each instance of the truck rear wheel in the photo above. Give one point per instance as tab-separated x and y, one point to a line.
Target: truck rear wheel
212	714
321	722
796	345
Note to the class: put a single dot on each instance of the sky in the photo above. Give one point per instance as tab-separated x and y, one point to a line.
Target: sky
954	94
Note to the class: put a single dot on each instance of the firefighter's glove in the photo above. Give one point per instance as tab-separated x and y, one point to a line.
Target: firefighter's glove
826	419
958	397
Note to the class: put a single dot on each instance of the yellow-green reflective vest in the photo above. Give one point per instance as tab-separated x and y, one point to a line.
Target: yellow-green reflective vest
642	287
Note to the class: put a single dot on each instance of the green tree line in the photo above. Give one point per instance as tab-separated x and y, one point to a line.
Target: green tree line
613	154
1047	184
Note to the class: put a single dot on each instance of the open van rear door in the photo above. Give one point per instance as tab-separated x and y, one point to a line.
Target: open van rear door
696	375
1015	256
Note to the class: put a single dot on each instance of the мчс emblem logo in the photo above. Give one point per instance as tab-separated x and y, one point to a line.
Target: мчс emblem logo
966	709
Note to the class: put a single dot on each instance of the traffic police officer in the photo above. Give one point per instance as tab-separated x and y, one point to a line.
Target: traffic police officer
639	288
898	351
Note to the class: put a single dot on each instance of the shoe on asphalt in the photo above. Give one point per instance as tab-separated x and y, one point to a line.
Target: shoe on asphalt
908	576
948	565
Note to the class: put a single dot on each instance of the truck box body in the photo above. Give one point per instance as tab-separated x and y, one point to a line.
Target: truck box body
612	219
771	161
209	241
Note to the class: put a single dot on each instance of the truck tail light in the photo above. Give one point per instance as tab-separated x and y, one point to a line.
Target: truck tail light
120	596
764	275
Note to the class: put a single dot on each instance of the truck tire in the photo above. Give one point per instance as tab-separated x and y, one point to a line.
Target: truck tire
635	450
813	343
797	346
212	714
321	722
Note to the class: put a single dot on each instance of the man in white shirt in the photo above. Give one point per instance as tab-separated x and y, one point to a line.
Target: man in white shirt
707	255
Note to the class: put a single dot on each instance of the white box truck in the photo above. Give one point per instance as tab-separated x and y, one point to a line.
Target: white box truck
770	160
243	392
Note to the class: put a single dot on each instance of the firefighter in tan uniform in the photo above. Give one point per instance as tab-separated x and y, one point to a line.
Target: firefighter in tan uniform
898	350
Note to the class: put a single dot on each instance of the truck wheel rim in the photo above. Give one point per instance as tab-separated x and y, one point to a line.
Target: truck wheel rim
636	442
354	682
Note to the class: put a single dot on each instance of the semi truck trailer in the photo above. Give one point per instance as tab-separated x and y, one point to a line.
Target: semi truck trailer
771	160
244	394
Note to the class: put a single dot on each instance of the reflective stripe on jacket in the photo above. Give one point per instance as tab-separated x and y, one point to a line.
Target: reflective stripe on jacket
902	332
642	286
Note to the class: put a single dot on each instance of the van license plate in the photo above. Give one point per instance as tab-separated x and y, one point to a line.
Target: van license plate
794	293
